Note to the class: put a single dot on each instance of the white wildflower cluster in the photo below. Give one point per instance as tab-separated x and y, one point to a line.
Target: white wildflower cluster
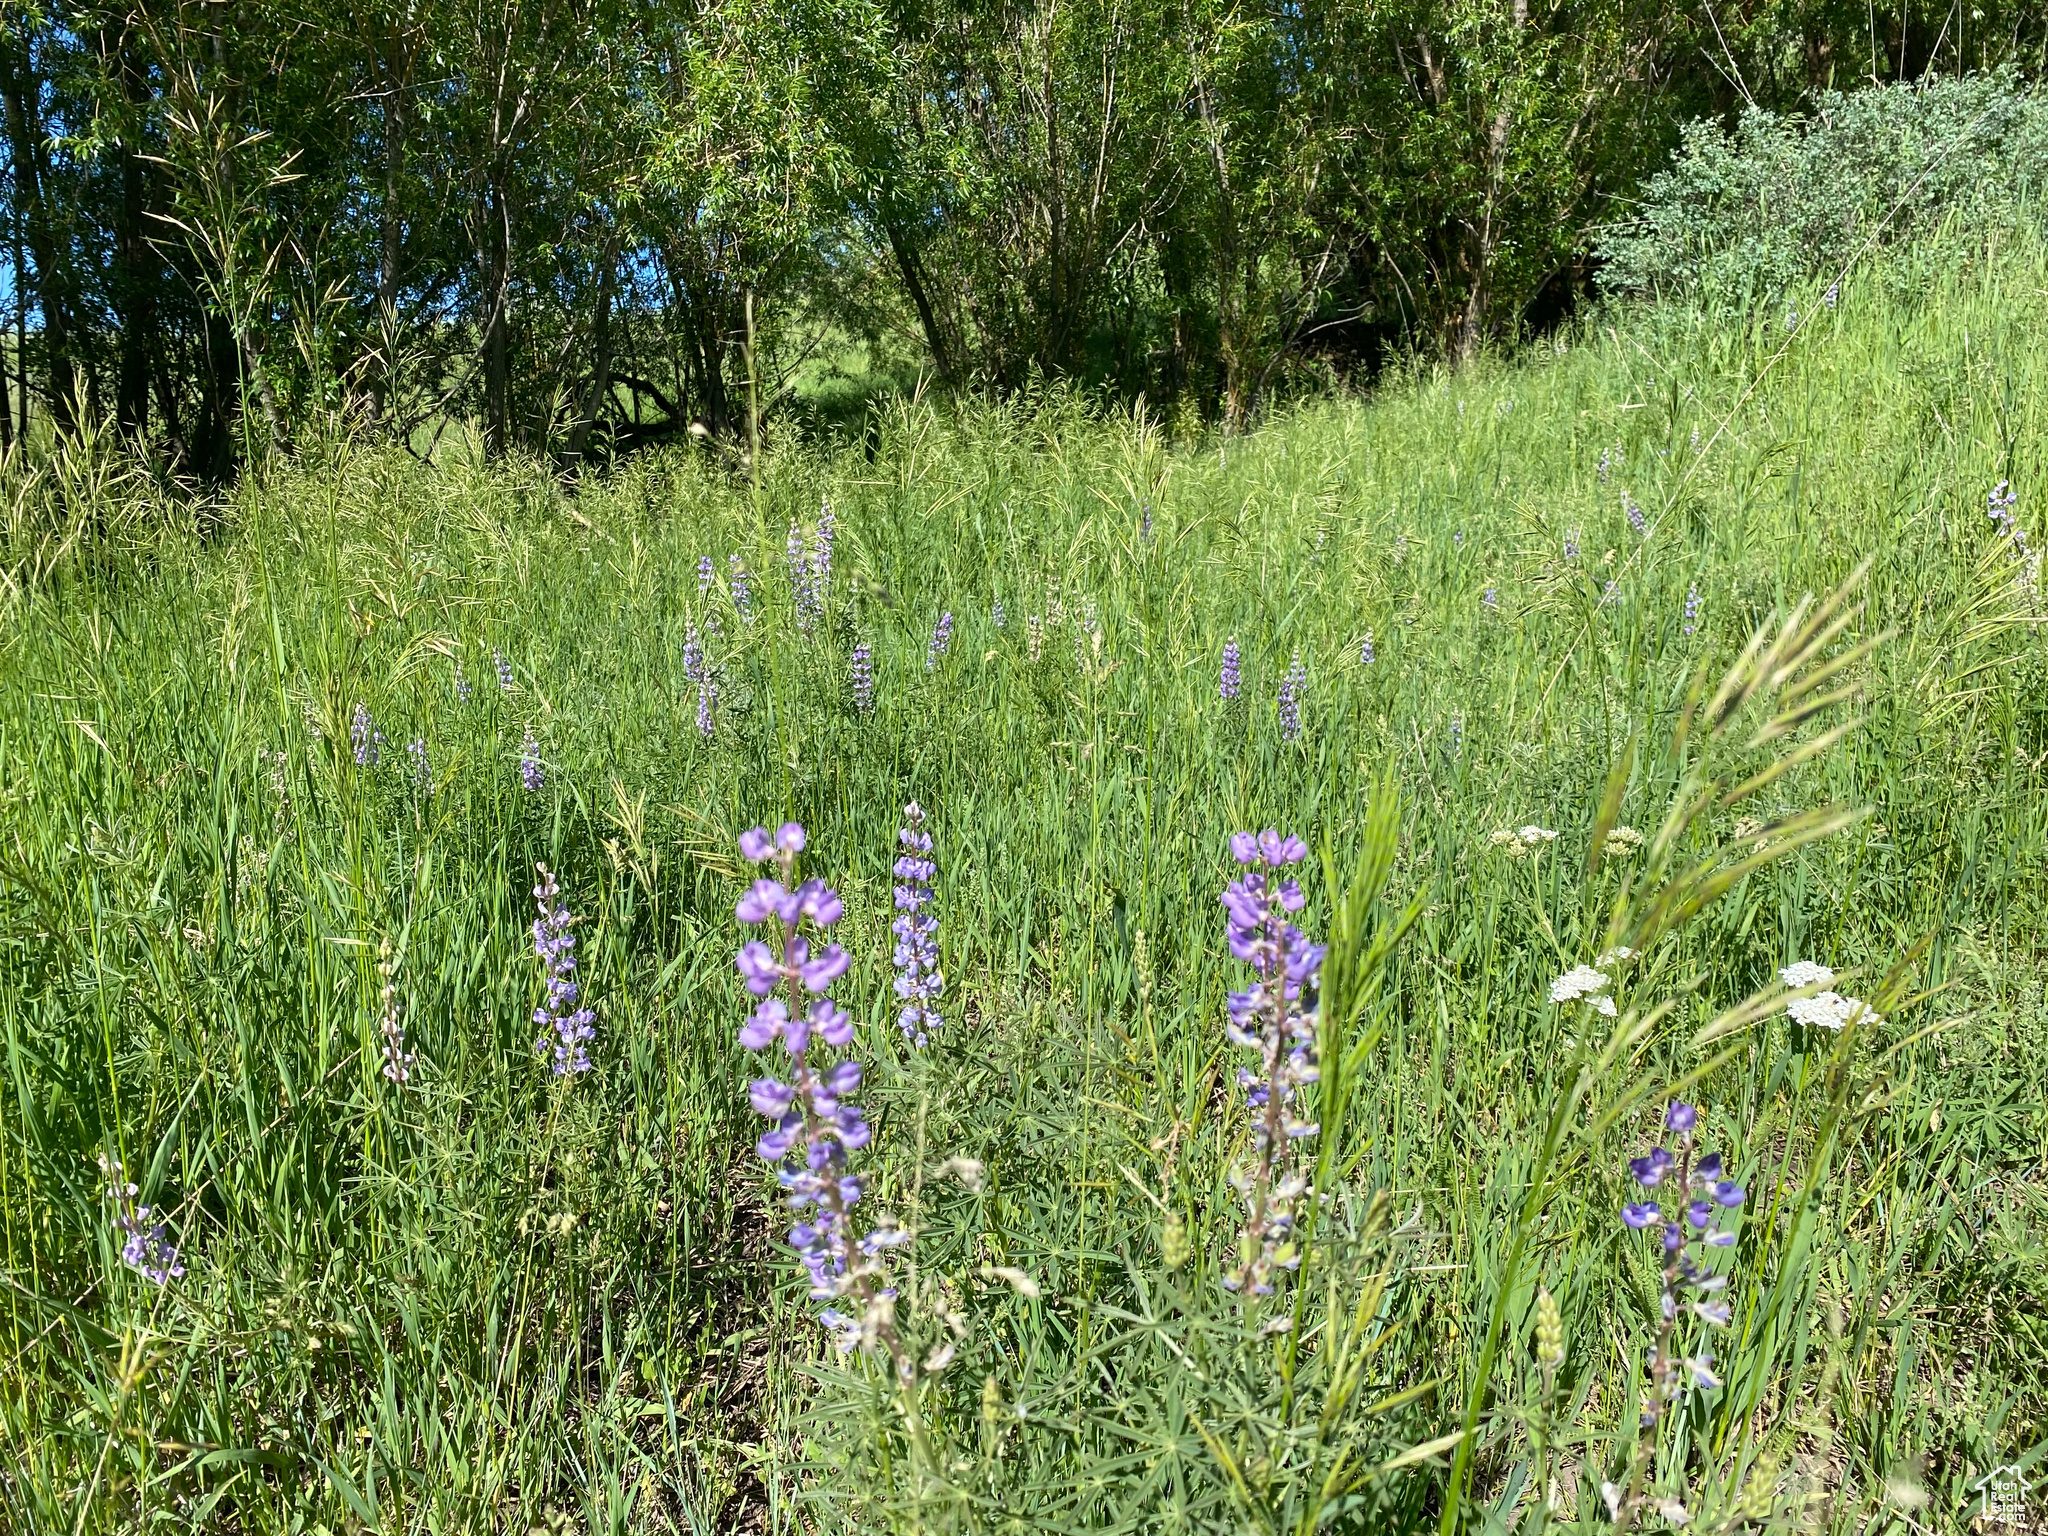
1521	841
1583	984
1827	1009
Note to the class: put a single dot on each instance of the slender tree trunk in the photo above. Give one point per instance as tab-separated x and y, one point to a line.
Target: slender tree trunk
397	116
1229	295
23	94
1472	326
134	281
600	385
497	346
912	267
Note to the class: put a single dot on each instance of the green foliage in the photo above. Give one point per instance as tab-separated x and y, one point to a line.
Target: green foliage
1743	218
483	1300
579	227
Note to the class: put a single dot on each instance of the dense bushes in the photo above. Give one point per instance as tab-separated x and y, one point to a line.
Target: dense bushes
1743	216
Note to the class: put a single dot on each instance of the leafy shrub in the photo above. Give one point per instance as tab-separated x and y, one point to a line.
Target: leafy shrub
1742	216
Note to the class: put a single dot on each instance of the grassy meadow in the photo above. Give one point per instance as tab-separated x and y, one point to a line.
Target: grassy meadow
486	1299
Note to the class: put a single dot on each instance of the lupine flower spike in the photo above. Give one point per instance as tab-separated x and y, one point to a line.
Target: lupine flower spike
1228	684
364	737
742	590
391	1022
1292	686
815	1126
567	1026
143	1248
861	670
996	614
706	576
942	637
503	668
1269	1017
918	978
530	772
697	670
1636	520
1694	1225
1366	656
1692	609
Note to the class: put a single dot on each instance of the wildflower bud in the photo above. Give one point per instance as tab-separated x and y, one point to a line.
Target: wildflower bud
1549	1331
1173	1242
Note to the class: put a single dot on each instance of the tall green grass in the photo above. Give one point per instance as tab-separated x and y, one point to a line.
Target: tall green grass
487	1301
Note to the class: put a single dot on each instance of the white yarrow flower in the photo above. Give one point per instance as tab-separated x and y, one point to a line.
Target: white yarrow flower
1533	835
1830	1010
1806	973
1579	982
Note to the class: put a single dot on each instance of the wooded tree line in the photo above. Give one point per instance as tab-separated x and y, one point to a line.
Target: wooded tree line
587	224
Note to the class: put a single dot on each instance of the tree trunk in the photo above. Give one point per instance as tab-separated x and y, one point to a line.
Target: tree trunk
1472	326
134	281
497	379
600	386
912	267
23	95
397	67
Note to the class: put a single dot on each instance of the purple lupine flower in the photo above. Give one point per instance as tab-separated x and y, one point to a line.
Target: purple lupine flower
942	637
742	590
918	978
1270	1017
1832	296
1458	539
1292	686
1145	522
422	774
802	581
567	1026
143	1248
1366	655
1227	684
1685	1232
1692	608
1610	592
861	668
463	691
693	654
1457	734
821	554
706	576
697	669
996	614
1792	317
364	737
504	669
1571	544
2001	502
1491	599
814	1126
530	772
1636	520
1607	457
